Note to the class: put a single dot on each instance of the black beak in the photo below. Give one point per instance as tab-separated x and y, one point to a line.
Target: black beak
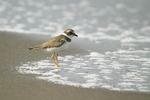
75	35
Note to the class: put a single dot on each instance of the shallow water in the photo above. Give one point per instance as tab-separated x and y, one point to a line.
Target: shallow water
117	45
124	69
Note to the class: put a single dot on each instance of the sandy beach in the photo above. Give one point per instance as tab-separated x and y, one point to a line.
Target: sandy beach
16	86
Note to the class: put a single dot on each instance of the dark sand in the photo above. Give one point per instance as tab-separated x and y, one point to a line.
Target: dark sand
15	86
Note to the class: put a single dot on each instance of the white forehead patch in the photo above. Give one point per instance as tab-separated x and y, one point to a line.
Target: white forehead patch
70	31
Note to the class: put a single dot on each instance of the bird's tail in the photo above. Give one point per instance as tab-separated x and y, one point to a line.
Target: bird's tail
36	47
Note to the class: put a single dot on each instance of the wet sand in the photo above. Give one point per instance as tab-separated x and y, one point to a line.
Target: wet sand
15	86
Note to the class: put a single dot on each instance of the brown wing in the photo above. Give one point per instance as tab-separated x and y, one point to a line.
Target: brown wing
55	42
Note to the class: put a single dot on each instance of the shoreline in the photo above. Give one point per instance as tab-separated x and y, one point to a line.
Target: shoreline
15	86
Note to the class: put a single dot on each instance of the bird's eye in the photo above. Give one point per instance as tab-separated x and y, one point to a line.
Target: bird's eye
71	32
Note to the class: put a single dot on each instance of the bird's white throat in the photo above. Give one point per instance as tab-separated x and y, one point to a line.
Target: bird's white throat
68	36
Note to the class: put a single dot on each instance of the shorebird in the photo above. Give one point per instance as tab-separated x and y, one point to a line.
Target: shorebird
57	44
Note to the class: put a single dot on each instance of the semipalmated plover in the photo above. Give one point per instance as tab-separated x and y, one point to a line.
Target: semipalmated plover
57	44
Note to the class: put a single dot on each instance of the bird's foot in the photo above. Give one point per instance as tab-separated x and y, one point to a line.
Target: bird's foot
57	65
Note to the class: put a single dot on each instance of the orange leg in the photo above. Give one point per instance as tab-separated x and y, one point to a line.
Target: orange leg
53	59
57	60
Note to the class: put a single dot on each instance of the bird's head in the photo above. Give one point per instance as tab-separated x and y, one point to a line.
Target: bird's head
69	33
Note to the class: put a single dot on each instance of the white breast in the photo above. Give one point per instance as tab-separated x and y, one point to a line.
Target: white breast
59	49
67	44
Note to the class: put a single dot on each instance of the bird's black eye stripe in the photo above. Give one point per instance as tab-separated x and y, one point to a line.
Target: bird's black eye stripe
71	32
